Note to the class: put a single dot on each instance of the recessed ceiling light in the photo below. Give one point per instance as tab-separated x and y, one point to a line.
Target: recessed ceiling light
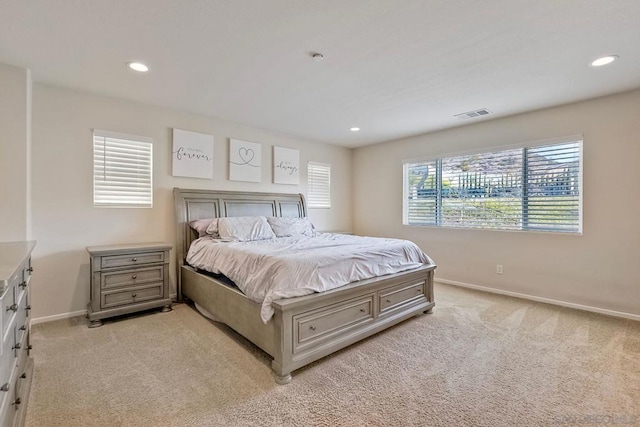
138	66
604	60
354	129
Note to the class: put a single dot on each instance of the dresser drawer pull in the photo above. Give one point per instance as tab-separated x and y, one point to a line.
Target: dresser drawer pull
24	375
13	307
18	346
28	308
30	269
362	310
419	290
134	259
23	328
23	285
388	301
17	401
5	387
134	277
313	328
134	295
29	347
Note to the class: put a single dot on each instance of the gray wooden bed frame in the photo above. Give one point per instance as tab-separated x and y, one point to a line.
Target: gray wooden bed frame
303	329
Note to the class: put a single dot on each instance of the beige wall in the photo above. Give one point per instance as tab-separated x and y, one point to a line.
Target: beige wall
64	219
15	104
600	269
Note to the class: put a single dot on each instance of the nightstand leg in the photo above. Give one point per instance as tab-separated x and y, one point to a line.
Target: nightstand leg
95	323
166	308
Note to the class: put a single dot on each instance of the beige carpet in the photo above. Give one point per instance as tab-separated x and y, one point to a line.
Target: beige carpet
478	360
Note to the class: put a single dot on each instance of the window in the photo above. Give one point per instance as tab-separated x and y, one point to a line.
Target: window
122	170
530	188
319	176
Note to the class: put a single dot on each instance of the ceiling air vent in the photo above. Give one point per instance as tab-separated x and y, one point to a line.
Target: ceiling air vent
472	114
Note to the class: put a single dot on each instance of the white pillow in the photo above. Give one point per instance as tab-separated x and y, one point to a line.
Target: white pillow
285	227
244	229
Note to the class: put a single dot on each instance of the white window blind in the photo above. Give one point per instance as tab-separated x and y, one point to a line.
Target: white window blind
530	188
122	170
319	191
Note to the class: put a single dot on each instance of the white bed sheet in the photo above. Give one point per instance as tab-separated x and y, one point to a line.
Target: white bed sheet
267	270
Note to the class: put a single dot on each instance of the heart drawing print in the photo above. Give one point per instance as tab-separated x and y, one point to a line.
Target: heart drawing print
245	161
246	155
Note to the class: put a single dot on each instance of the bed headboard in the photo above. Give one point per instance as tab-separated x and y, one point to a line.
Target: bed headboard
199	204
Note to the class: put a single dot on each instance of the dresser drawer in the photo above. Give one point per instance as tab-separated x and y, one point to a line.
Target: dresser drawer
314	327
131	259
394	297
27	270
131	277
8	309
8	357
21	316
132	295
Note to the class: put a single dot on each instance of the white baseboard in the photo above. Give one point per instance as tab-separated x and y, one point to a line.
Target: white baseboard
541	299
605	311
45	319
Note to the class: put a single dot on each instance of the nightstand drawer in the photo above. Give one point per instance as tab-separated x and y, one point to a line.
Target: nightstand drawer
131	295
133	277
131	259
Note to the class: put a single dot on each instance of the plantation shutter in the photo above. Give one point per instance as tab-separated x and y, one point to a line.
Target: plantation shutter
422	197
122	170
319	191
483	190
552	198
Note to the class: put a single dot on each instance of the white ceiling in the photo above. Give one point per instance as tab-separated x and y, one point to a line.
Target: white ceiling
392	67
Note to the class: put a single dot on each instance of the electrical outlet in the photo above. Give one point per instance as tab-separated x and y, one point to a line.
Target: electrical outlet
499	268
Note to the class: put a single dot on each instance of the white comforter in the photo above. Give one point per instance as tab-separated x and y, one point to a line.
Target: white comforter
267	270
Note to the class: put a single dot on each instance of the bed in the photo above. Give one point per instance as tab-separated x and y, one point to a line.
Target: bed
302	329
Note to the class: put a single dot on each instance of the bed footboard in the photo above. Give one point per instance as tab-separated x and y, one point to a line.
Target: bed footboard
314	326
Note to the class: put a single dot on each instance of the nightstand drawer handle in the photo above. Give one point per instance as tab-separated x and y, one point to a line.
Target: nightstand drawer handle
134	277
29	347
13	307
18	346
5	387
24	375
23	285
388	301
313	328
134	259
23	327
30	269
362	310
18	401
134	295
28	308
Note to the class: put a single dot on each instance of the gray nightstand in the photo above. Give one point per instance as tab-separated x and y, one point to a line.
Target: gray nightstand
127	279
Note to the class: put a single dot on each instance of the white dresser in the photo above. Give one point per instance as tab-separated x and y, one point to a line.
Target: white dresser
16	367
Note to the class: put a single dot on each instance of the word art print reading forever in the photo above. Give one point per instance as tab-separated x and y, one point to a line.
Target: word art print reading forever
192	154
